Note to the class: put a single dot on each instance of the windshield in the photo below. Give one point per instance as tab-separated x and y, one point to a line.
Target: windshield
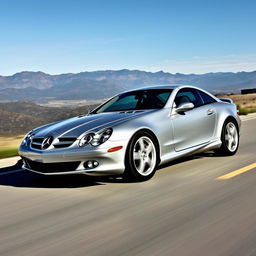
136	100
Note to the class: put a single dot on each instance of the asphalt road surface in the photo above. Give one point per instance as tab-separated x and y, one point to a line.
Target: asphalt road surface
197	206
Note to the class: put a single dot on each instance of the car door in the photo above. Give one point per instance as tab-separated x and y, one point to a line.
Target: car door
193	127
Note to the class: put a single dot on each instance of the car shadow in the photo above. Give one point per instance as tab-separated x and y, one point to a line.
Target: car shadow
11	176
210	154
162	166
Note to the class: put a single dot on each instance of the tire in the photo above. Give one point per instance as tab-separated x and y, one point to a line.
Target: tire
141	157
229	138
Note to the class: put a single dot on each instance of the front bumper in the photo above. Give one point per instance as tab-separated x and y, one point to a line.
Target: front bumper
57	161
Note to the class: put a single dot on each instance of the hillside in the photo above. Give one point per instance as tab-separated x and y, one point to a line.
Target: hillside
40	87
20	117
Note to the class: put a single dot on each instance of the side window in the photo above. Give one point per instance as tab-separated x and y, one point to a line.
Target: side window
207	99
153	99
188	95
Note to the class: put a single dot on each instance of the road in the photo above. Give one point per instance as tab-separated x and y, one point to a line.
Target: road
188	208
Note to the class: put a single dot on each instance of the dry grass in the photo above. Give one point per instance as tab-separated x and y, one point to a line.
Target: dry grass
10	142
9	146
247	101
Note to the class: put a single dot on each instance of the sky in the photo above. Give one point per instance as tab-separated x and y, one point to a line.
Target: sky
185	36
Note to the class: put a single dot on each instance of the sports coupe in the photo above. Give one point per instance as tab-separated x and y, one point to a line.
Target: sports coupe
133	132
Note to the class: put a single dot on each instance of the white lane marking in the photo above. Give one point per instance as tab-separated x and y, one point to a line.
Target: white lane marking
10	172
247	119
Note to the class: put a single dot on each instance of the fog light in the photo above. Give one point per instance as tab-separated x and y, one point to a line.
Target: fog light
95	164
91	164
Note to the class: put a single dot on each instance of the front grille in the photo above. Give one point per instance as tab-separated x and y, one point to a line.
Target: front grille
63	142
50	167
37	143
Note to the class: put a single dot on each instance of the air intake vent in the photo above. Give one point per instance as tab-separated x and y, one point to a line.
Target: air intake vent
50	167
131	111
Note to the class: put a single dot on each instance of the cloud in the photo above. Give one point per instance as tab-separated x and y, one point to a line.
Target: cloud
199	65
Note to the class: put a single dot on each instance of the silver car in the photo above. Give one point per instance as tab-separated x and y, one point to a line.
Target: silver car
134	132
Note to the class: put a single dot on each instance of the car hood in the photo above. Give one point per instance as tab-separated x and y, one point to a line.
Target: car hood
75	126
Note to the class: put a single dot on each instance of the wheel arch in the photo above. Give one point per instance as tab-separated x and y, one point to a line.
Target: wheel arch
232	119
221	121
224	150
156	141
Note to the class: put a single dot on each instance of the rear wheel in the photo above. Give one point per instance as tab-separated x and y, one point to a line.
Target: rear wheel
141	157
229	138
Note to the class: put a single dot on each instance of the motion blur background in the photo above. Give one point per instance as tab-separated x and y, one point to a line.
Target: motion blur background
59	58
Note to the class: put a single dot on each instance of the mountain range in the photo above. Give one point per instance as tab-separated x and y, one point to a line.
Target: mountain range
40	87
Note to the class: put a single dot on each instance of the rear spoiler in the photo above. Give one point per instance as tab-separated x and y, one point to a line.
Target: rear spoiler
226	100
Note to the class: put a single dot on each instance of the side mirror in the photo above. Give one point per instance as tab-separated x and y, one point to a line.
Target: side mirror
89	111
184	107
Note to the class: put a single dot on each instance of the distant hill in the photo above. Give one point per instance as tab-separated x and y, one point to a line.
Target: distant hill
20	117
78	89
40	87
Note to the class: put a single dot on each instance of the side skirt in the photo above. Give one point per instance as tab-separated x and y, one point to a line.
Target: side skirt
190	151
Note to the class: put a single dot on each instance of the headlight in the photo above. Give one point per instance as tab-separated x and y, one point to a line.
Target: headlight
86	139
95	139
101	137
27	138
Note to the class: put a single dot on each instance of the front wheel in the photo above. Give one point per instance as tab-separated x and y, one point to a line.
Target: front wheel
141	157
229	138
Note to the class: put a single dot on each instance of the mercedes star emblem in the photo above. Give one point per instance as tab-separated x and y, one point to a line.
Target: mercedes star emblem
47	142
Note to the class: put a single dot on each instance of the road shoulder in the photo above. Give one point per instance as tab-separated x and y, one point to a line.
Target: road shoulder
6	162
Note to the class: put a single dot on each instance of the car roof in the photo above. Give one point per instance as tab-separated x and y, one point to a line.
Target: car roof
164	86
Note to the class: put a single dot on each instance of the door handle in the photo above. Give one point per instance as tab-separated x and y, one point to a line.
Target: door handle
210	111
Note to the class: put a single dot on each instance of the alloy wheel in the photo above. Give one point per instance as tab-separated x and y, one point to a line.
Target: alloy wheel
144	156
231	136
